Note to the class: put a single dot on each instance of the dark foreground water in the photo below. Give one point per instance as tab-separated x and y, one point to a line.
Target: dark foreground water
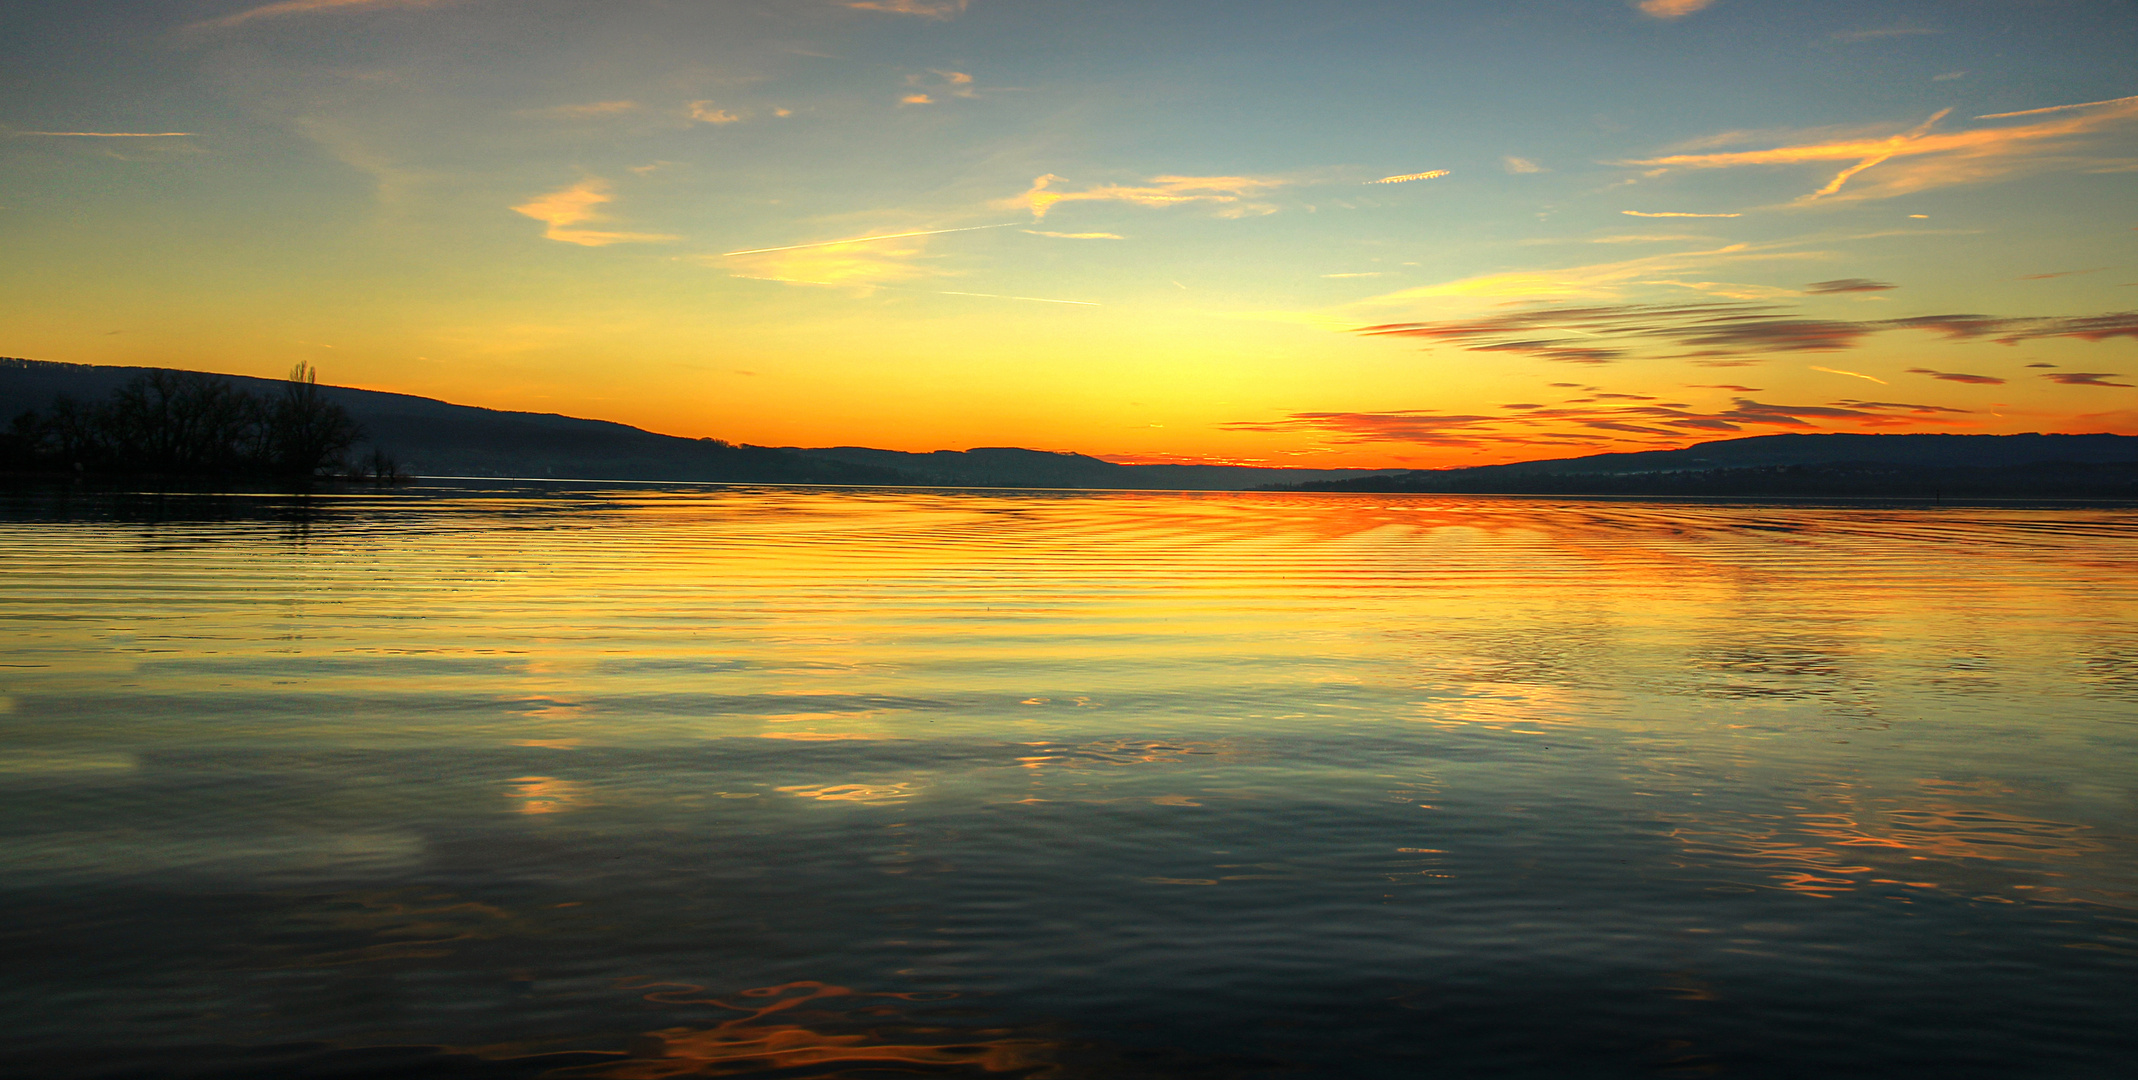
876	784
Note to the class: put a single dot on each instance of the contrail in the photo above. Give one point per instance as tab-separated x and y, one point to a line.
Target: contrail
1001	296
2058	108
1408	177
861	239
1850	374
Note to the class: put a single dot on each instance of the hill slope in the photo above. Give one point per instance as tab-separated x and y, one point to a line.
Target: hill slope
1007	466
1839	464
436	438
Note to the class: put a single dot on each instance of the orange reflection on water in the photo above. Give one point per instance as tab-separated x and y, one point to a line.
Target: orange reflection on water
546	794
1817	850
749	1044
413	923
1104	752
860	793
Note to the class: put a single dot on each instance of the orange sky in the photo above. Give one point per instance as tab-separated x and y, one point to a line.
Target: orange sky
1414	234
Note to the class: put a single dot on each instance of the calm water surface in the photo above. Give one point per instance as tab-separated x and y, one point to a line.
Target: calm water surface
790	783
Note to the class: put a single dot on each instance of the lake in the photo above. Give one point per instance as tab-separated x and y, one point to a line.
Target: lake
497	780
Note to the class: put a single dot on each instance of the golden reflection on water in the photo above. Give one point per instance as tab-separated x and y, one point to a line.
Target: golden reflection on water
754	1042
1823	706
547	795
1936	836
854	793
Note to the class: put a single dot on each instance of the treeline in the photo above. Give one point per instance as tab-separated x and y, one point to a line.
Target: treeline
2050	480
191	423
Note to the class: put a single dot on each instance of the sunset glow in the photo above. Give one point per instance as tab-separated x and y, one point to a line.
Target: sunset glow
1376	234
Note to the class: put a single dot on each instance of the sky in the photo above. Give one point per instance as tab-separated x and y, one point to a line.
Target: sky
1413	234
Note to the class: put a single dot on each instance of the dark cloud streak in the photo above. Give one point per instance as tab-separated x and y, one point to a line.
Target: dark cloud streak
1847	285
1719	334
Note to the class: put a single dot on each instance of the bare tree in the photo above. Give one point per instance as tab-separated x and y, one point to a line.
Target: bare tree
310	432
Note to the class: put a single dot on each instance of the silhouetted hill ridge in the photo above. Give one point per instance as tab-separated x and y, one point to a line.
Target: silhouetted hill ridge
1011	466
2096	465
436	438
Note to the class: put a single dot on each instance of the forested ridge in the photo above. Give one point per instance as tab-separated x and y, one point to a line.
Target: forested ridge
191	423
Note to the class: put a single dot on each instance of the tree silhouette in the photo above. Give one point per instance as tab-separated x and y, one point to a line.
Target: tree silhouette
309	432
188	423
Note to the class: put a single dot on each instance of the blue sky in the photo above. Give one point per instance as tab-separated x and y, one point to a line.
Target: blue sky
1148	231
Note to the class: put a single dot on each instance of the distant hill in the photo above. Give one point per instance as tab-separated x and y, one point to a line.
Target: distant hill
1879	466
1005	466
436	438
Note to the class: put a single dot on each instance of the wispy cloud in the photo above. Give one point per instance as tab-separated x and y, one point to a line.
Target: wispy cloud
1671	9
1230	194
1847	285
1004	296
109	134
1954	376
1596	281
2058	274
936	81
582	112
1620	238
1075	235
926	9
1718	333
306	7
2133	100
1672	213
1521	166
883	236
706	112
1433	174
566	208
2085	378
865	264
1851	374
1919	158
869	262
1579	421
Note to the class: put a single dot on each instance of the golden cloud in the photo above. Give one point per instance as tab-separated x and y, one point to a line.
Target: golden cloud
862	263
1918	159
565	208
1406	178
1671	9
705	112
306	7
954	83
926	9
1594	281
1228	192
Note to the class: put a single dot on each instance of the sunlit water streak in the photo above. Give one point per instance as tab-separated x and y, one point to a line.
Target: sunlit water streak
781	782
